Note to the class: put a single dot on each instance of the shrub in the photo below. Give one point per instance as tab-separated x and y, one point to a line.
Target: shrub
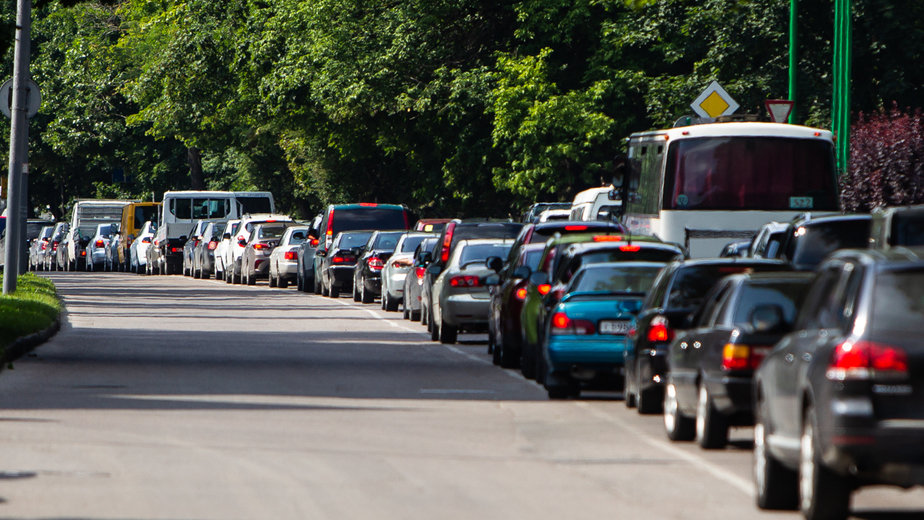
886	160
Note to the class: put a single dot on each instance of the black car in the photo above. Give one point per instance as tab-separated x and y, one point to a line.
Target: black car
507	303
808	239
709	386
367	273
335	273
839	402
676	294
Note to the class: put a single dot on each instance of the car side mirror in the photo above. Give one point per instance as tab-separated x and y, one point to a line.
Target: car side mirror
538	278
767	317
242	242
435	270
320	252
226	236
522	272
494	263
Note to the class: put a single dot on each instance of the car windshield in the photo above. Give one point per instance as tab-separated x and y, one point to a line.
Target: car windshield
637	279
480	252
411	242
387	241
271	231
814	243
351	240
898	302
787	295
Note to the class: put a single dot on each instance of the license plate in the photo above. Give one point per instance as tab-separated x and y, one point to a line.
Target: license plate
620	327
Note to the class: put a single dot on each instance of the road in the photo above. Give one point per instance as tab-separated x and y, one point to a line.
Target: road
174	398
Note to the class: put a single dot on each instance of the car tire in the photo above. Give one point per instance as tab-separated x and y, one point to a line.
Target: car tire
528	362
711	425
282	282
355	293
648	401
558	392
318	286
677	426
251	278
434	330
272	280
823	494
508	357
449	334
405	312
629	392
364	295
777	486
300	283
333	292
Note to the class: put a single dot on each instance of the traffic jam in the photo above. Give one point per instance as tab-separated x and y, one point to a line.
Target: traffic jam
692	287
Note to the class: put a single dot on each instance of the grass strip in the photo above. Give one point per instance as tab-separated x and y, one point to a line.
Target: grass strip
31	308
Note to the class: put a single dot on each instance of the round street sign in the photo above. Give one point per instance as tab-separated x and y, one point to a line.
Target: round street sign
33	98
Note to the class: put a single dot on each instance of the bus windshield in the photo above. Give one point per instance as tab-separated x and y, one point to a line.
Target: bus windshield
750	173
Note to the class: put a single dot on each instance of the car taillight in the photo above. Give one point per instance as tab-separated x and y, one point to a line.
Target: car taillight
465	281
630	248
375	263
290	255
608	238
447	241
742	357
420	272
146	240
562	324
212	245
100	243
315	242
261	245
544	288
575	228
401	262
54	247
43	245
659	331
83	253
867	360
176	249
330	224
342	259
368	204
521	293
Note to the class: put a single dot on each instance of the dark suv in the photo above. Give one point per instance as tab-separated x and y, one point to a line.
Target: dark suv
839	402
897	226
809	239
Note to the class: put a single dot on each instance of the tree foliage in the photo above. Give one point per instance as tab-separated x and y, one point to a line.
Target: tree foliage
455	107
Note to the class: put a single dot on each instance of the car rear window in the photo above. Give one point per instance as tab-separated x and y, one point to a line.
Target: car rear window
814	242
387	241
481	252
634	279
618	255
898	302
486	230
908	229
787	294
410	243
690	285
272	231
255	204
351	240
346	219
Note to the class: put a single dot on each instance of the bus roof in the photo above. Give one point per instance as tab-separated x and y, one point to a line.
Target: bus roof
737	129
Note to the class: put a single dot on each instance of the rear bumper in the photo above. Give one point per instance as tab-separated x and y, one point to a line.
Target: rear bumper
341	276
466	311
565	351
888	452
733	396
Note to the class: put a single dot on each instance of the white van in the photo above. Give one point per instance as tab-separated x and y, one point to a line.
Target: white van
596	204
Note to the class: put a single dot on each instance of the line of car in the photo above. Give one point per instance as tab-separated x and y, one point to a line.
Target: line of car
807	332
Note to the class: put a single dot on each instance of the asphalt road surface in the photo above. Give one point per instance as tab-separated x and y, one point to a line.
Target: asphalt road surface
174	398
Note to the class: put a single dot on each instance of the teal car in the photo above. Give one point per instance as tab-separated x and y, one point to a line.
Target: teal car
588	330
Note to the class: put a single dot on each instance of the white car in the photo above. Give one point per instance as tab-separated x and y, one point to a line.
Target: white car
239	241
283	261
397	267
137	252
98	244
223	250
459	299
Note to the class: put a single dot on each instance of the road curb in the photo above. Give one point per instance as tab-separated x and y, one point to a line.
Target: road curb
26	344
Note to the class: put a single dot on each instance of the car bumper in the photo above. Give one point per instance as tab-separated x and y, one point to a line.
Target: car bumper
565	351
288	269
733	396
652	366
466	310
886	451
396	284
341	276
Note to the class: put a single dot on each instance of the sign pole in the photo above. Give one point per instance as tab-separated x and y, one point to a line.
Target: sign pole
793	56
18	147
840	106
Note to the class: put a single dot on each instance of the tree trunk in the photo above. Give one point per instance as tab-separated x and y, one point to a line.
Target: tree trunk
195	168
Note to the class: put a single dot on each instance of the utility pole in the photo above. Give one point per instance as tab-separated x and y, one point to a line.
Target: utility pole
18	147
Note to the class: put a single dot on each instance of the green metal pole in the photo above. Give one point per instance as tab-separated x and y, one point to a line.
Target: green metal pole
840	106
793	57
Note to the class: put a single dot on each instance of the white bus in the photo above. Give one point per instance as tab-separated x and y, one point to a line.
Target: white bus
704	186
187	207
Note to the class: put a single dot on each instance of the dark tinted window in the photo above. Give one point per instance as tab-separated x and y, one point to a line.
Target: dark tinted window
616	255
346	219
410	243
788	295
259	204
690	285
387	241
144	214
617	279
351	240
812	243
532	259
480	252
908	229
750	173
272	231
898	302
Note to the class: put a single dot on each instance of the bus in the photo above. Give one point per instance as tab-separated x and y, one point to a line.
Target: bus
703	186
189	206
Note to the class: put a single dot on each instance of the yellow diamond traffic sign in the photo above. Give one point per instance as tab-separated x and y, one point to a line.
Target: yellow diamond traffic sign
714	102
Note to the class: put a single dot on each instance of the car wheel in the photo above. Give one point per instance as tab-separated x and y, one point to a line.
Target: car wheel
630	397
355	294
448	333
300	284
318	286
282	282
528	361
678	426
334	292
823	494
777	486
323	290
272	280
558	392
711	425
647	401
251	278
405	312
364	295
434	330
508	357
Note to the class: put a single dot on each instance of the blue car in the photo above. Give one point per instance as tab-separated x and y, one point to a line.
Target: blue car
588	330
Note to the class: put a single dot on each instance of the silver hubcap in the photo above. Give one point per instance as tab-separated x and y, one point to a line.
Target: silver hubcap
670	408
701	405
760	458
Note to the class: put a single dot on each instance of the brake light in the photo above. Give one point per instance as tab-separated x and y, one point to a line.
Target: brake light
43	245
867	360
659	331
100	243
575	228
290	255
544	288
212	245
146	240
342	259
608	238
261	245
375	263
521	293
271	220
176	249
630	248
315	242
447	241
742	357
368	204
465	281
562	324
420	272
83	253
330	223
